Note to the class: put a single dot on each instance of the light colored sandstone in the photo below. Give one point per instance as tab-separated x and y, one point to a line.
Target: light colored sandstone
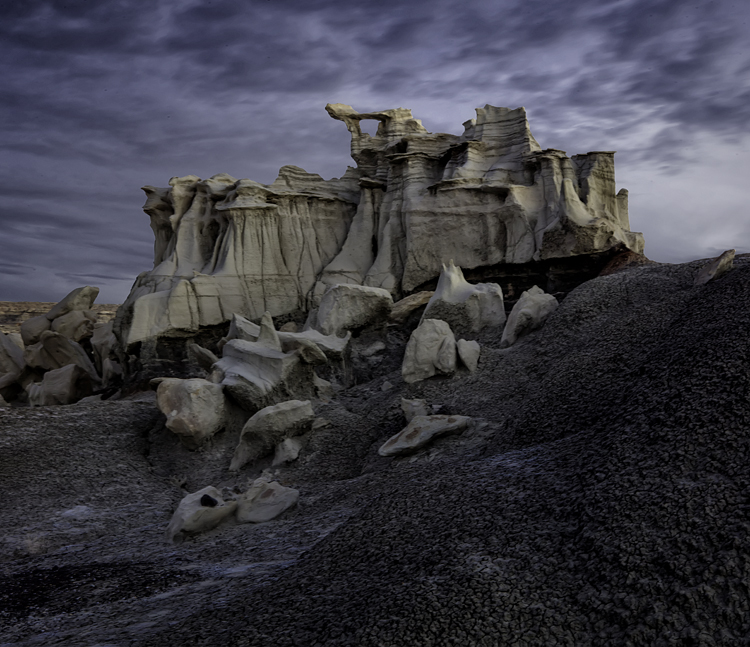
431	350
79	299
715	268
11	356
403	308
199	512
265	501
64	385
195	408
465	307
53	350
103	341
413	408
75	325
420	431
269	427
468	353
287	451
529	313
32	329
348	307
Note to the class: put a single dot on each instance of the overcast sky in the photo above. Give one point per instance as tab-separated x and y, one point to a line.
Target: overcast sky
100	98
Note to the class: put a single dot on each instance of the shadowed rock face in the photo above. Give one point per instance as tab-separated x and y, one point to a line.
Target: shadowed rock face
489	198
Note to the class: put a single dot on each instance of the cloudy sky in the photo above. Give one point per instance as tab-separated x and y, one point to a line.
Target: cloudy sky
100	98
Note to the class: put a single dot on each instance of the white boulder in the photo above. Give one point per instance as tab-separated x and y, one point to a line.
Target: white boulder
79	299
715	268
468	353
529	313
287	451
32	329
265	501
198	512
75	325
53	350
269	427
195	408
431	350
348	307
465	307
420	431
64	385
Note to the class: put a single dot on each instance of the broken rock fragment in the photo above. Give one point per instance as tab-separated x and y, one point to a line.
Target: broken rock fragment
431	350
195	408
349	307
269	427
64	385
468	353
529	313
420	431
465	307
413	408
715	268
265	501
198	512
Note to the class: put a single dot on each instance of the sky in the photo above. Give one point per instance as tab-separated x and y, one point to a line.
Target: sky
101	98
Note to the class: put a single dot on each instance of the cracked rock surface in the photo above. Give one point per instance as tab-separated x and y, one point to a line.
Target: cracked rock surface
601	497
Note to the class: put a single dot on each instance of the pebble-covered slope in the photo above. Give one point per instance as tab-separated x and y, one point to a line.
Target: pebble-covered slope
606	502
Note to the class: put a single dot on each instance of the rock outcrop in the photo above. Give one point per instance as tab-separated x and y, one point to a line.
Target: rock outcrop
431	350
489	198
265	501
195	408
716	268
420	431
529	313
198	512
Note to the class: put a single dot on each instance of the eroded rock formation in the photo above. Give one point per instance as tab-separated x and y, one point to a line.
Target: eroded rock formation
487	198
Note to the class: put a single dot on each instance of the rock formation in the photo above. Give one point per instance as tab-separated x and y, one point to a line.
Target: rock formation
431	351
529	313
489	198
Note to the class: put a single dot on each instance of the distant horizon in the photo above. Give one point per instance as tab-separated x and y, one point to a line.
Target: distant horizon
100	100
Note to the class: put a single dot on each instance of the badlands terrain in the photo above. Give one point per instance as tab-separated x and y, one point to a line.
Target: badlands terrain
548	447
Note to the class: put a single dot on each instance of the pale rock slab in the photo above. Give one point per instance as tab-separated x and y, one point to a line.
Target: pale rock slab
64	385
32	329
269	427
265	501
403	308
104	342
53	350
16	338
465	307
468	353
431	350
420	431
11	356
199	512
195	408
75	325
413	408
348	307
79	299
529	313
257	376
716	268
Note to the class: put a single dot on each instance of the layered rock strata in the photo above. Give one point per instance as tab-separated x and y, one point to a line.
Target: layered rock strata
489	198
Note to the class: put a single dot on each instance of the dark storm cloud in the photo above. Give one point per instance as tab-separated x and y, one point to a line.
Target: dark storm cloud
101	98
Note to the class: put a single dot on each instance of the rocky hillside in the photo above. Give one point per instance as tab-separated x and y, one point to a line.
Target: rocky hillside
599	497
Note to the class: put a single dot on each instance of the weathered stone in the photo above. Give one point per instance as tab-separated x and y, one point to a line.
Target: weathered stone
323	389
64	385
192	517
413	408
529	313
716	268
55	351
75	325
79	299
203	357
32	329
11	356
463	306
287	451
269	427
468	353
104	342
265	501
349	307
403	308
420	431
195	408
431	350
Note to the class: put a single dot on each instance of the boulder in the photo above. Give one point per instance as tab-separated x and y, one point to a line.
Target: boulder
420	431
269	427
11	356
468	353
64	385
431	350
103	341
32	329
529	313
198	512
53	350
403	308
203	357
195	408
715	268
265	501
79	299
349	307
465	307
75	325
287	451
413	408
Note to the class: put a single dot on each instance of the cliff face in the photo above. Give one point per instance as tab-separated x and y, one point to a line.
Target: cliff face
489	197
